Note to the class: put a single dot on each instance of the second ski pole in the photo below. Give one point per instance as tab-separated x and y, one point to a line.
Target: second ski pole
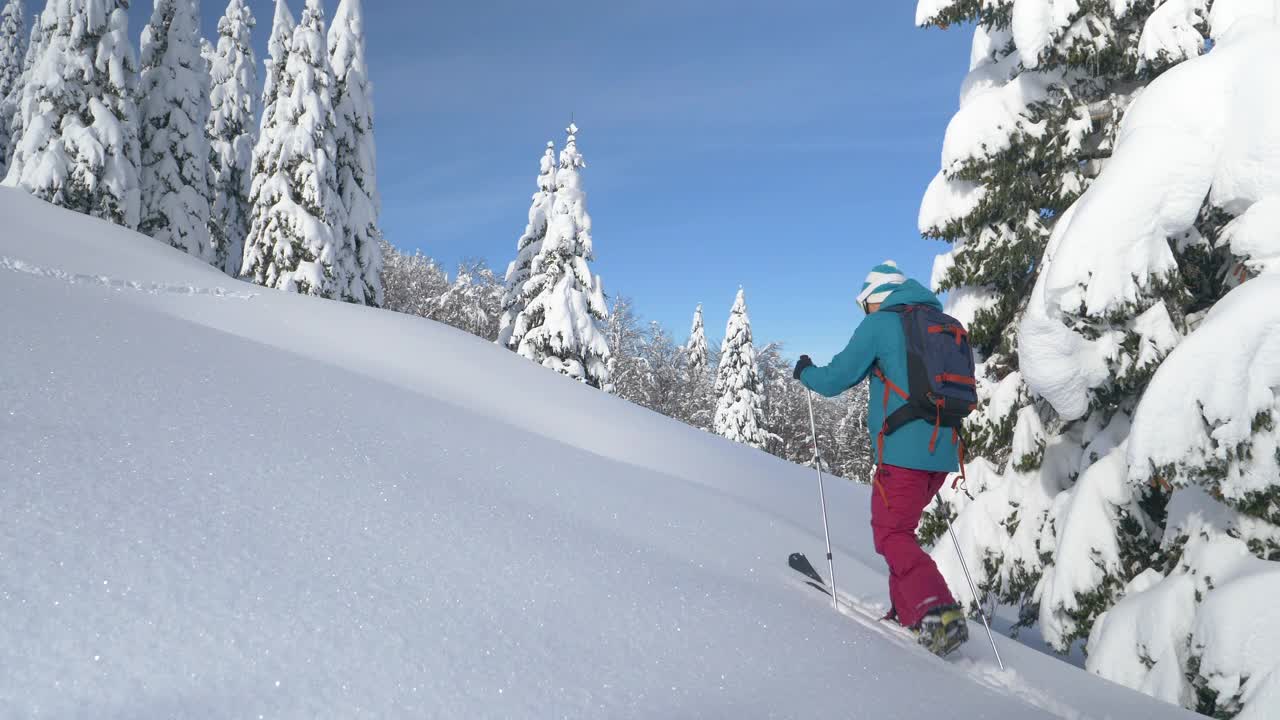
972	588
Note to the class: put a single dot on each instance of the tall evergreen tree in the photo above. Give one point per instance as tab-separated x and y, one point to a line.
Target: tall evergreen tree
698	401
1167	252
78	141
559	327
231	134
295	240
515	299
11	104
696	349
175	110
12	51
278	45
357	154
265	168
1040	111
740	408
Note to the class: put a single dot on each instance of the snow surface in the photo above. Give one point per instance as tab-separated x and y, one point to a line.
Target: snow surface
212	509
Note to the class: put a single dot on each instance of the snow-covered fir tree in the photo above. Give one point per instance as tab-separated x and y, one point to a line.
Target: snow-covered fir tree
515	299
278	45
1151	335
12	51
1040	111
265	165
11	103
357	154
296	242
696	349
560	325
174	111
698	398
232	133
77	139
739	412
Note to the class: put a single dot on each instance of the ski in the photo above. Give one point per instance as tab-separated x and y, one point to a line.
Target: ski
869	616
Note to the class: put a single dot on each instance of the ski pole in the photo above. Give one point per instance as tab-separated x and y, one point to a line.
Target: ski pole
822	496
972	588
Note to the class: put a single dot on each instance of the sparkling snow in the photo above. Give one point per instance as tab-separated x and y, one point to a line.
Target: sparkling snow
248	503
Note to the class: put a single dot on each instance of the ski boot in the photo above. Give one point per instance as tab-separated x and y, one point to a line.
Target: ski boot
943	630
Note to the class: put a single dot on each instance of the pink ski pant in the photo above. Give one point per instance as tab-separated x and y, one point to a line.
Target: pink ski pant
899	497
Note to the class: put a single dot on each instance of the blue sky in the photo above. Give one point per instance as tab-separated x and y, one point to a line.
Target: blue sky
783	147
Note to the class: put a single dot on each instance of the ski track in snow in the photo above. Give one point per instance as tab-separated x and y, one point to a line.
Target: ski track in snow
868	613
15	265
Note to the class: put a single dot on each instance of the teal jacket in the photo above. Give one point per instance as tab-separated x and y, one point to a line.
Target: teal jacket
879	341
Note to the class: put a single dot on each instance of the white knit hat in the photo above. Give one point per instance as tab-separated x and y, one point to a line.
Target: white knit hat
882	280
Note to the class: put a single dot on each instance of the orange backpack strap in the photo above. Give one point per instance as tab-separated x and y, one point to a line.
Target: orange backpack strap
889	387
937	425
962	478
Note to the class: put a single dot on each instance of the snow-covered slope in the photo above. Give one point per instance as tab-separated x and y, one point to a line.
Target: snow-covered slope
221	501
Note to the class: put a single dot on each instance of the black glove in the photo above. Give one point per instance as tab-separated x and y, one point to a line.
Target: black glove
801	365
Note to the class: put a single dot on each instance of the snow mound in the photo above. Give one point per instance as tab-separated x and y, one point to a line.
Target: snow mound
946	201
1255	236
253	503
1154	615
1085	555
1225	14
1216	607
1170	34
1036	23
990	116
1201	405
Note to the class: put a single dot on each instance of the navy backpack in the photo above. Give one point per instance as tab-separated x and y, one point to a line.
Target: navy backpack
941	388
